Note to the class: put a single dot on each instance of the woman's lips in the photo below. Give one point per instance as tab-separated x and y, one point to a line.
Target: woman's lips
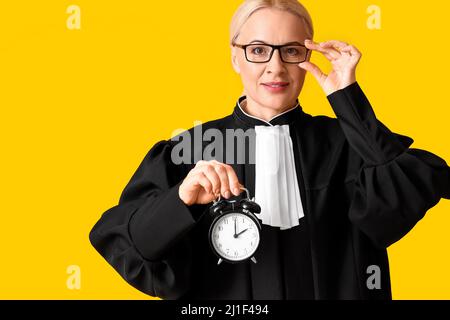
276	87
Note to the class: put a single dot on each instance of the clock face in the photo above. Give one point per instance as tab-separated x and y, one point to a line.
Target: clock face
235	236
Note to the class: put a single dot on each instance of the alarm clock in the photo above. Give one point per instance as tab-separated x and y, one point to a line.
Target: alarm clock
234	234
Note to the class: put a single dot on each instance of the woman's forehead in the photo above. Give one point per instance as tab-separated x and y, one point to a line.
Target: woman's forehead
273	26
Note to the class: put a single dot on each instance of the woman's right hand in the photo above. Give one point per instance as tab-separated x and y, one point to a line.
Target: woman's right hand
207	180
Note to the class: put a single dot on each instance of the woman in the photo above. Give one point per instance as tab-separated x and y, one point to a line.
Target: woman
350	187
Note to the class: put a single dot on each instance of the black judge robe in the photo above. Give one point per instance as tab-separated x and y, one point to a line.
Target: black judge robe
362	188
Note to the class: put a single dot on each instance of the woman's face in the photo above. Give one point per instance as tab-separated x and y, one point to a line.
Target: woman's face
274	27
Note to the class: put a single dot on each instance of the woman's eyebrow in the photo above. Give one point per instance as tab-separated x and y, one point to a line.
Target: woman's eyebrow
289	43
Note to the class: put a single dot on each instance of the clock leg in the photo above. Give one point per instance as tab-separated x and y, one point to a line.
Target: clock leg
253	259
219	262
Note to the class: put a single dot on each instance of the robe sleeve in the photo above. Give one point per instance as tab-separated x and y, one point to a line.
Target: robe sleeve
395	184
141	236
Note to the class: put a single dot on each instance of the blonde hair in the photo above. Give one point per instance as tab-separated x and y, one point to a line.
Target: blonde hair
248	7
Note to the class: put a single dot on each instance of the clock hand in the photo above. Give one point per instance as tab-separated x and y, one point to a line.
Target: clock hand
241	232
235	231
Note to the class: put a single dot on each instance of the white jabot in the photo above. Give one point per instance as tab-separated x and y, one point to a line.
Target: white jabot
276	185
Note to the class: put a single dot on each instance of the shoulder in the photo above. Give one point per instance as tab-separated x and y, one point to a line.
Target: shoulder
215	124
322	127
323	136
324	152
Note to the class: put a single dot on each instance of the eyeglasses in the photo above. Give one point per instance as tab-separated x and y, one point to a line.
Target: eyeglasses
261	53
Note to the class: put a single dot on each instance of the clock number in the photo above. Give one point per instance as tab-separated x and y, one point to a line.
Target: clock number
220	228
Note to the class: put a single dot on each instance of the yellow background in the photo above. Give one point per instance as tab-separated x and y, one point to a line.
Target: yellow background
81	108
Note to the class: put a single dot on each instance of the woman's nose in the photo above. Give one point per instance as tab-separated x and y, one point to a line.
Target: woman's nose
275	62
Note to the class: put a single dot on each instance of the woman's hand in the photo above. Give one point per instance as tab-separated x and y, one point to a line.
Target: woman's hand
343	57
206	181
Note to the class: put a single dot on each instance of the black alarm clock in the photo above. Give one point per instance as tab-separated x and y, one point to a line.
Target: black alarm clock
234	234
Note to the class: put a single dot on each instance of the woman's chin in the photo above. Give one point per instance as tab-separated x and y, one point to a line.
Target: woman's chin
276	101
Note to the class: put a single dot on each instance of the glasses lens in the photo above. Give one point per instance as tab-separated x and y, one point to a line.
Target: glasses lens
258	53
294	54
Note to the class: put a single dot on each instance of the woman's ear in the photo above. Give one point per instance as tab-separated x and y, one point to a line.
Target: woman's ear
234	60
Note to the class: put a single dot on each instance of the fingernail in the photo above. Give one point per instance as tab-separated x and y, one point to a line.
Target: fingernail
227	194
236	191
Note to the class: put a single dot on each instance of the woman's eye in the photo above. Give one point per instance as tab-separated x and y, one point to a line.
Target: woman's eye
258	50
292	51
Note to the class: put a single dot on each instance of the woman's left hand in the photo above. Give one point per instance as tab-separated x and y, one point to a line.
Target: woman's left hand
343	57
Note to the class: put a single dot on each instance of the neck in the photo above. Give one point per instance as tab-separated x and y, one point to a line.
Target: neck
252	108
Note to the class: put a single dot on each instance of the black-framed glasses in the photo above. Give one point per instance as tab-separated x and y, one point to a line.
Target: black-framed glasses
263	52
